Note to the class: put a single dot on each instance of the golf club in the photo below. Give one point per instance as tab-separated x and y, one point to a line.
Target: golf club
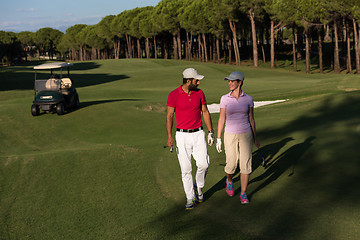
262	157
171	148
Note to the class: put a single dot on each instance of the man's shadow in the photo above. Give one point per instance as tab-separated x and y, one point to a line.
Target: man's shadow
269	152
276	167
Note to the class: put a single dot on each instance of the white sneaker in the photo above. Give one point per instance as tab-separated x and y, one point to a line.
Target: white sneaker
198	194
190	204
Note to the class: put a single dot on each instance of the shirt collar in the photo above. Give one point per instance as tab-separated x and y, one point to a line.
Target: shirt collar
181	91
243	94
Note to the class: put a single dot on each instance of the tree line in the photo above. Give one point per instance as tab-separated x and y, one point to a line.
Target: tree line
221	31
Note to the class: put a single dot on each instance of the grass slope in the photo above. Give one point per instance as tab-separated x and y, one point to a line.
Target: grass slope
101	172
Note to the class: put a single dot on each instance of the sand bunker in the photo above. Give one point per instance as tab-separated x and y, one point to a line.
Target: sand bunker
215	108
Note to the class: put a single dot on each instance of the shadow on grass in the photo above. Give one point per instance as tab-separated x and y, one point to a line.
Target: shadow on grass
91	103
276	167
269	152
22	77
327	167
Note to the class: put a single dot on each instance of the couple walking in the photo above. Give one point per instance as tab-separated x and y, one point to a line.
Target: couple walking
188	103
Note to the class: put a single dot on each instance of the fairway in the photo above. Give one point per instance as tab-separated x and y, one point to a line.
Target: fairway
102	172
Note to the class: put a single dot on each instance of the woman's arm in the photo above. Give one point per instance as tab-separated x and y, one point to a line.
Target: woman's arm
253	127
221	122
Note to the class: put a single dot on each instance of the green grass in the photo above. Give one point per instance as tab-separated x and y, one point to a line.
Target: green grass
101	172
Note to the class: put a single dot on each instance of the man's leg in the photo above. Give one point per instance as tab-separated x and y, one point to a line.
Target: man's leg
201	157
184	151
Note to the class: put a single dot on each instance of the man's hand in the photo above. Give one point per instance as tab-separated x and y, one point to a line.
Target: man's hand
211	138
170	141
218	145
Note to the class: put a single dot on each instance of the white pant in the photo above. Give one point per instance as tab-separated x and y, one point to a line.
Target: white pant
194	144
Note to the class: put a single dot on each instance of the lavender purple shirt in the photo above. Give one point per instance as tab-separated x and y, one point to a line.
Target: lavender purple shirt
237	113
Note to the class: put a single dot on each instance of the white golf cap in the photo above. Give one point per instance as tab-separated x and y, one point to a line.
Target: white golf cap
235	76
192	73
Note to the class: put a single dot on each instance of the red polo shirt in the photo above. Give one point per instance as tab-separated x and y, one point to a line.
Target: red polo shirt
187	107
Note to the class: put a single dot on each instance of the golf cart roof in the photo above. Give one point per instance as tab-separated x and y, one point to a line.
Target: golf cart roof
53	65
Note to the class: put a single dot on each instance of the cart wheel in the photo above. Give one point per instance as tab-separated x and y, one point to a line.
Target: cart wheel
60	108
35	110
77	101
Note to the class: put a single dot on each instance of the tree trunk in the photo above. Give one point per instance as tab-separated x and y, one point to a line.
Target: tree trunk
201	50
307	47
190	46
336	49
155	47
175	48
166	50
230	54
212	49
147	48
254	41
205	47
348	47
218	50
327	37
358	51
294	50
235	42
116	43
272	45
81	53
344	45
321	65
179	43
128	43
133	47
139	52
356	39
187	48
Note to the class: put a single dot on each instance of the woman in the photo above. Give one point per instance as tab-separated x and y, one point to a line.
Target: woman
237	113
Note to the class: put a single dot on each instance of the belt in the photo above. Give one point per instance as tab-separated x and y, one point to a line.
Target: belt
189	130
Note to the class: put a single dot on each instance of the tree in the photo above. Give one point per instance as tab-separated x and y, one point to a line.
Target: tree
254	8
90	38
27	42
46	40
194	19
10	47
168	13
282	14
355	15
104	30
148	29
121	26
217	22
72	41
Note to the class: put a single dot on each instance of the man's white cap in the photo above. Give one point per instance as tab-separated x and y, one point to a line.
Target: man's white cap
235	76
192	73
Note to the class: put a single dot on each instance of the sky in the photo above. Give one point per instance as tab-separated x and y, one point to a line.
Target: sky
31	15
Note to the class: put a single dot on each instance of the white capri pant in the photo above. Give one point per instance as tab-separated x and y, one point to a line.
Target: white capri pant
194	144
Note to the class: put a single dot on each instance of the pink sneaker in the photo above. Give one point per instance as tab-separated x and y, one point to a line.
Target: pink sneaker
229	188
243	198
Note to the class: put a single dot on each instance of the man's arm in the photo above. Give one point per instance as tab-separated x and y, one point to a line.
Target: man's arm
207	117
169	125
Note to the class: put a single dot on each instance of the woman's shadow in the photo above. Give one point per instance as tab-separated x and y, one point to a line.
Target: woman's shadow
276	167
269	152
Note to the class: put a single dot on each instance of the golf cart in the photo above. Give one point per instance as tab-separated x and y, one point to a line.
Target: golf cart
55	94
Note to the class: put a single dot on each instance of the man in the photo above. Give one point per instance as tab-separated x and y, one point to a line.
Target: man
188	102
